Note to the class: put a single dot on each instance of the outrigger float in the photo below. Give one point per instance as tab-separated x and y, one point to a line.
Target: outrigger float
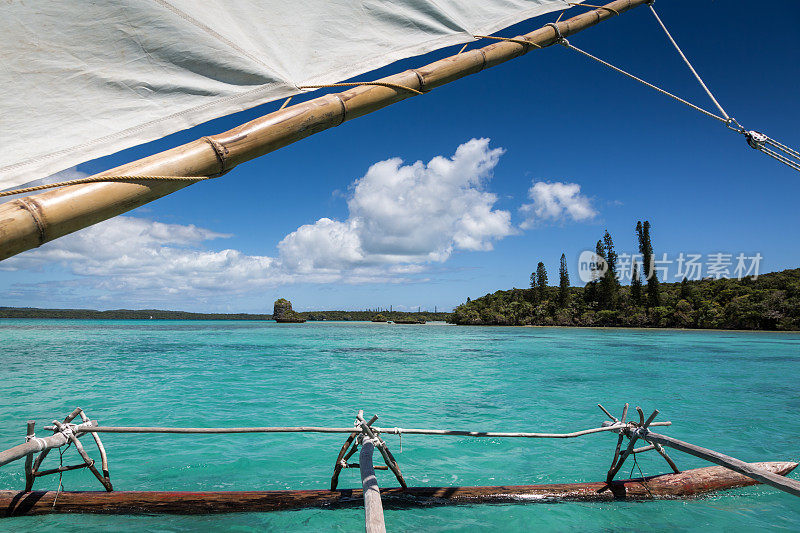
364	438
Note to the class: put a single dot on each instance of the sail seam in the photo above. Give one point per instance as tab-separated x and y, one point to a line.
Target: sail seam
221	38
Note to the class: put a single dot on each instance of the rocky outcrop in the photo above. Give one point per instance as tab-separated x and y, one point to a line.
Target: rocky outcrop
283	313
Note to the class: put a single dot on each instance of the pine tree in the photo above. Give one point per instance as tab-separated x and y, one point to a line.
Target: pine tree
563	282
686	290
597	283
636	285
646	249
609	284
541	280
533	280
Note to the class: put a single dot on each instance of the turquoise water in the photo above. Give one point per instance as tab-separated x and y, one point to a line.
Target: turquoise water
734	392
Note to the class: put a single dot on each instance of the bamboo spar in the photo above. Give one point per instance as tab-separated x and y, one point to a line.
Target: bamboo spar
31	221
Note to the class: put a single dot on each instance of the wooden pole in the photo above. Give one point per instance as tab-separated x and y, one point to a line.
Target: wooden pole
667	458
373	507
387	455
340	463
67	419
754	472
100	448
31	221
29	477
621	434
631	445
35	445
88	460
378	430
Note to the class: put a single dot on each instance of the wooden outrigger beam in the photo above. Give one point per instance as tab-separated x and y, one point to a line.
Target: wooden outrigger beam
31	221
687	484
753	471
373	507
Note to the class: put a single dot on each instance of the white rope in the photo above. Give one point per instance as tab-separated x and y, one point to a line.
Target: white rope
567	44
758	141
688	64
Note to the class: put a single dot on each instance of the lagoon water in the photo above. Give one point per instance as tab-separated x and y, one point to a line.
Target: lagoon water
736	392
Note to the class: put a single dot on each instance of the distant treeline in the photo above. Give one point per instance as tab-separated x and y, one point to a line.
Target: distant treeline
771	302
370	315
122	314
144	314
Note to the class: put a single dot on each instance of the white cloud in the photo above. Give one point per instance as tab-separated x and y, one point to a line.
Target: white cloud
556	202
408	214
402	218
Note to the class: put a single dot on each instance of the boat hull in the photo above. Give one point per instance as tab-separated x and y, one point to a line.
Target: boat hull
687	484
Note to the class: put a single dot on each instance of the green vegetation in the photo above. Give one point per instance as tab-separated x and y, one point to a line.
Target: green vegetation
770	302
144	314
394	316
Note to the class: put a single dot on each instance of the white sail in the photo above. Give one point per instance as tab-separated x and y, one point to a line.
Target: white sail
79	80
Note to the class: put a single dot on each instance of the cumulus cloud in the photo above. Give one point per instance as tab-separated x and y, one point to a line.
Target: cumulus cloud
402	218
556	202
408	214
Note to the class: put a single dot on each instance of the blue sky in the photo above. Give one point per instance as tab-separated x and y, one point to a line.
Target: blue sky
550	117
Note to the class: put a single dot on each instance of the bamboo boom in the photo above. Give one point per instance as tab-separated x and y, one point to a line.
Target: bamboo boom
29	222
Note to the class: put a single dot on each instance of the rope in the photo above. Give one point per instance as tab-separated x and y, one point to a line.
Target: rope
60	474
567	44
509	39
101	179
357	83
688	64
285	103
758	141
573	4
630	476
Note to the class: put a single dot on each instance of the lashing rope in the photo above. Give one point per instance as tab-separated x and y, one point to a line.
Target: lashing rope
509	39
357	83
101	179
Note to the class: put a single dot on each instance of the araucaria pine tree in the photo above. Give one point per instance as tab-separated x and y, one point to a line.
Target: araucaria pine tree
541	280
563	282
609	284
636	284
646	249
594	288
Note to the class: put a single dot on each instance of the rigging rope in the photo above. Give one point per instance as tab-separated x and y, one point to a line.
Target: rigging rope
756	140
102	179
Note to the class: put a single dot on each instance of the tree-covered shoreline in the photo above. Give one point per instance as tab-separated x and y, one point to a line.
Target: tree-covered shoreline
766	302
771	302
158	314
